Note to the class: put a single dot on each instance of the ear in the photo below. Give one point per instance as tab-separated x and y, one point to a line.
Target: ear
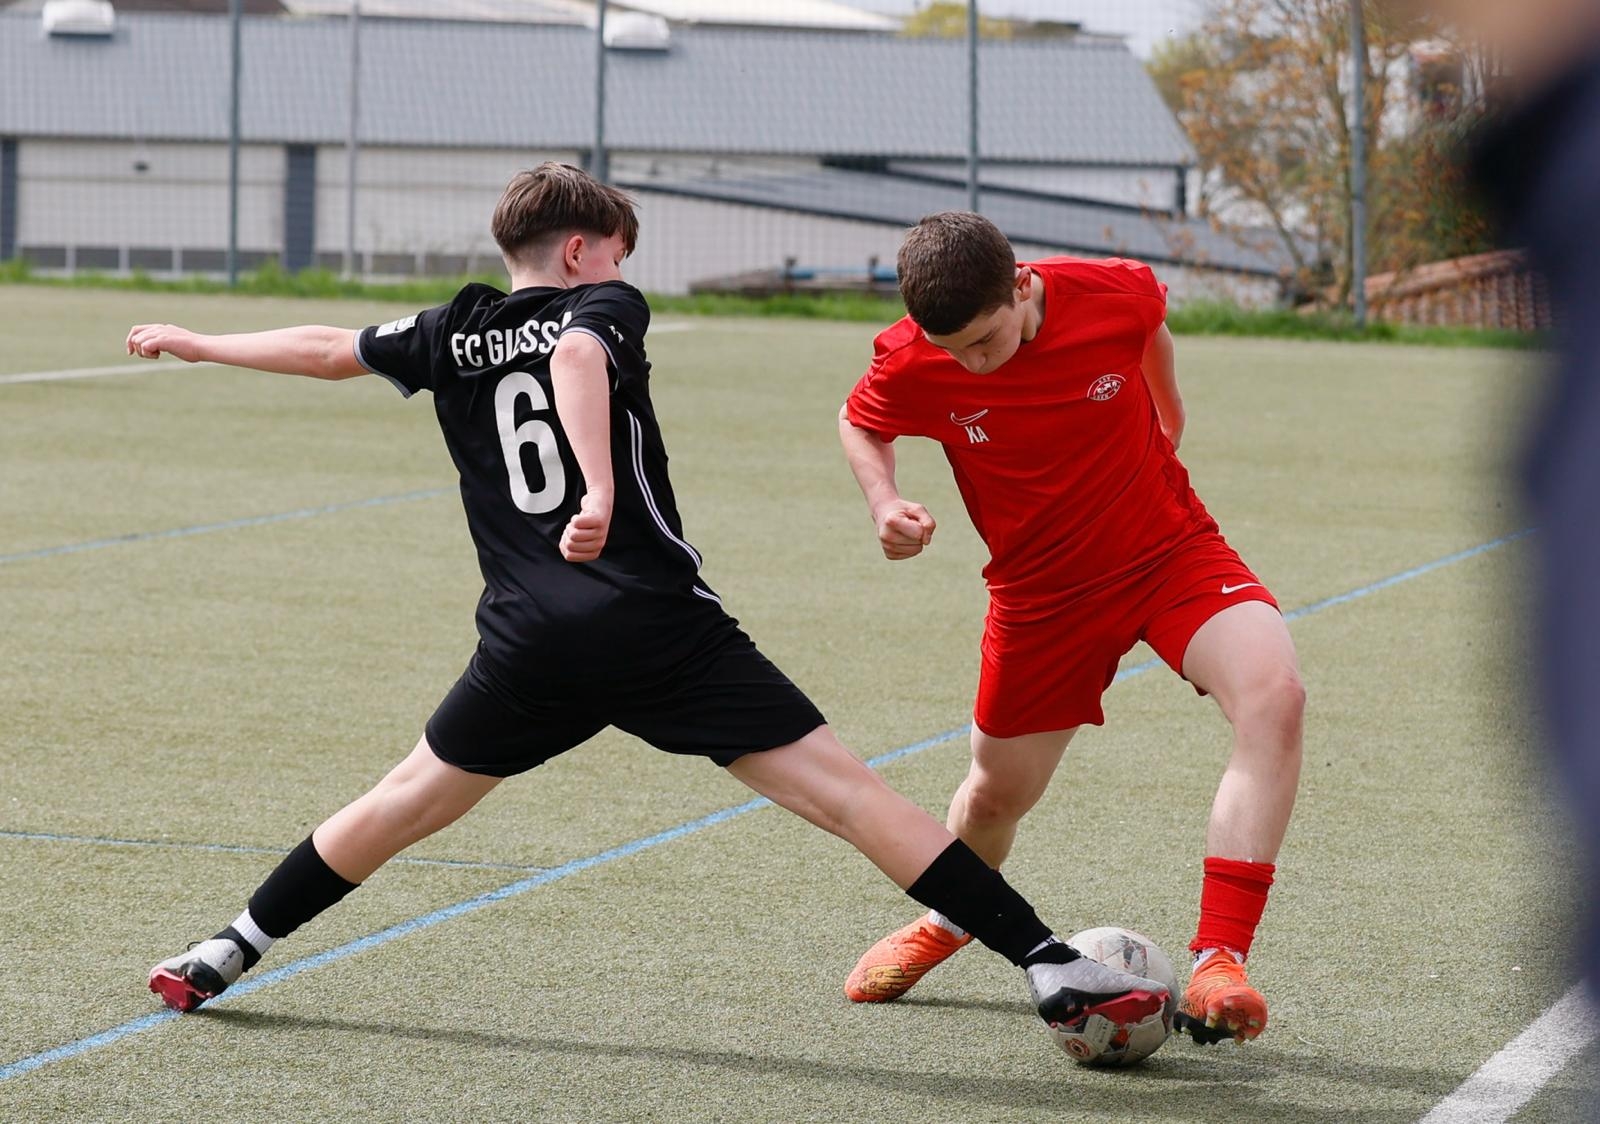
1024	283
572	252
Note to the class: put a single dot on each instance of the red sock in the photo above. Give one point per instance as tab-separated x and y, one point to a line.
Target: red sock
1232	898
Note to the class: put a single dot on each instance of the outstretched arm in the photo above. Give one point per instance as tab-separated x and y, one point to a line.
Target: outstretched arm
583	403
1161	374
310	349
904	528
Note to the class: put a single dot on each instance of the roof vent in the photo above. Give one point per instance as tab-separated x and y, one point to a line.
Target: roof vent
86	18
634	31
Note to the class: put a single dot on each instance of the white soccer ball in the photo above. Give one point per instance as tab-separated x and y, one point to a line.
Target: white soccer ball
1102	1042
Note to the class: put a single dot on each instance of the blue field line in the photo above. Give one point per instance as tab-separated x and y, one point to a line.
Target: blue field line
236	849
471	905
908	750
226	525
394	932
84	1045
1407	575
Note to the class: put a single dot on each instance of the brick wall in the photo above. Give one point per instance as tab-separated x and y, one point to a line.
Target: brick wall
1495	290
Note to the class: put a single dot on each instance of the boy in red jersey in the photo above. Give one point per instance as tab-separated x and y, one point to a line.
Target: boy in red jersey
1051	387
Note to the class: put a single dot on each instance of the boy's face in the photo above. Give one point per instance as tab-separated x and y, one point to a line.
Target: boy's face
990	339
600	260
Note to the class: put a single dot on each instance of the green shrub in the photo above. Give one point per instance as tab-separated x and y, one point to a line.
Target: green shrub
1218	318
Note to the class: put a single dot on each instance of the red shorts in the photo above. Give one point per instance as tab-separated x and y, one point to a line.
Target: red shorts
1046	670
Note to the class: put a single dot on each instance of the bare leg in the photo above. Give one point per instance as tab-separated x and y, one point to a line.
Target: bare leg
820	780
418	797
1006	779
1243	657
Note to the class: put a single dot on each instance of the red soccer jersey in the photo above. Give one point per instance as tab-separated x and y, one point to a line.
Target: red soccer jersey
1058	453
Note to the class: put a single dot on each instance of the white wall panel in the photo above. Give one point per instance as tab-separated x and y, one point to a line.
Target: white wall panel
82	193
424	203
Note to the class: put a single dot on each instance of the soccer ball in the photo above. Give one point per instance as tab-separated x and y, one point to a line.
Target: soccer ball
1102	1042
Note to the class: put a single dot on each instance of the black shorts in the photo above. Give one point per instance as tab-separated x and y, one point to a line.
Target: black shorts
725	700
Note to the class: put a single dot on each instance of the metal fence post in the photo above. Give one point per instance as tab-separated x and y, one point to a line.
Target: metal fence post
599	163
352	141
235	14
1358	162
972	105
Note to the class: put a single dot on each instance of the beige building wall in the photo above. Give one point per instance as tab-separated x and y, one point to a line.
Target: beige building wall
158	194
118	205
418	202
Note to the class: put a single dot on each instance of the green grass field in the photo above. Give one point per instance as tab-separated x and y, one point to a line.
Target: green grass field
230	601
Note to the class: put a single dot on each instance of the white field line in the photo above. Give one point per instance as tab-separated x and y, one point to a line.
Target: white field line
150	366
1511	1078
147	366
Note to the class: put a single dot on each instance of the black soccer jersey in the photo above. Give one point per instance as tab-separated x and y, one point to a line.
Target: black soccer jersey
486	358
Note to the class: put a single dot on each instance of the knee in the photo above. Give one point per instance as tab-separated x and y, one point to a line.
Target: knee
1273	705
409	809
991	803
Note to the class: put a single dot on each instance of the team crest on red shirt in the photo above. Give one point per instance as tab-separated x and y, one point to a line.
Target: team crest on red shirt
1106	386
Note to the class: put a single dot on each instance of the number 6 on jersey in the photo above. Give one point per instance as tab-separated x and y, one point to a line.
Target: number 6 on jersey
513	437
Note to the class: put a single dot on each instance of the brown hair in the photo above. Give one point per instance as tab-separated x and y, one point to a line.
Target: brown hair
955	266
556	199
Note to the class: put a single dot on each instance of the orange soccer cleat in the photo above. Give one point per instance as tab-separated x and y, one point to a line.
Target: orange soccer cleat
1220	1003
892	966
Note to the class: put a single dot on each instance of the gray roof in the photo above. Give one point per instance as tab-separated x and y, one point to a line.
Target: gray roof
717	90
505	11
1024	216
754	13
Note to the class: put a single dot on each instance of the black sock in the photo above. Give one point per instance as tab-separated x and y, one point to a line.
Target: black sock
1053	951
301	887
971	893
251	956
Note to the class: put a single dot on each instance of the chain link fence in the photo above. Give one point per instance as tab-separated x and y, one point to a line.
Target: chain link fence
763	157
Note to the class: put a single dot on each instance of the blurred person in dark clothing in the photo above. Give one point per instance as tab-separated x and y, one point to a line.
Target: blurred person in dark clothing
1538	164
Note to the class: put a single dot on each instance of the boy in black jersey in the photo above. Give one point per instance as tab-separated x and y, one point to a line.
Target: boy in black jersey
593	612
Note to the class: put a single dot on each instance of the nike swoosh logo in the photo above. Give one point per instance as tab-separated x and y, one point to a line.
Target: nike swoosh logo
967	420
1235	588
